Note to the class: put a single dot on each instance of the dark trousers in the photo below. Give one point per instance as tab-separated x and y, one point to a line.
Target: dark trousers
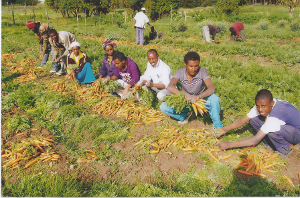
279	140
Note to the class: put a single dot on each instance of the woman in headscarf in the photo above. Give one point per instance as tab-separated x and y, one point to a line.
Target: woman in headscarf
84	72
108	65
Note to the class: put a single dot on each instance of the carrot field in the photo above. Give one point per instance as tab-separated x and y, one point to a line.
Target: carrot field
60	138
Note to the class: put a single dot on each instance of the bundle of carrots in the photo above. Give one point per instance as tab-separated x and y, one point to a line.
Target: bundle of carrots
128	110
257	163
199	106
89	156
37	149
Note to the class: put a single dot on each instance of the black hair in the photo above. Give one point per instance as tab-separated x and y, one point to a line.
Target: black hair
51	31
231	29
152	50
191	56
264	94
36	27
119	55
218	29
152	28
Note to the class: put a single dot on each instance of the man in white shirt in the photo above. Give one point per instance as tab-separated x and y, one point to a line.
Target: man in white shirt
139	24
157	75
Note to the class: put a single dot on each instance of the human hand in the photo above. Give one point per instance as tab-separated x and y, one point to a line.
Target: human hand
125	94
149	84
188	97
219	132
194	99
223	145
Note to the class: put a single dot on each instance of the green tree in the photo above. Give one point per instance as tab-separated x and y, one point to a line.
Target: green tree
228	6
292	4
154	7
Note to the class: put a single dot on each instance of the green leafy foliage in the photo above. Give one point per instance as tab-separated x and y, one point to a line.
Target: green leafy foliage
282	23
295	25
112	86
178	102
147	96
263	24
20	123
228	6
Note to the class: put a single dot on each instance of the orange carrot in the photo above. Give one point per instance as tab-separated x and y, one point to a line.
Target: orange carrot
250	166
259	174
31	162
244	172
289	180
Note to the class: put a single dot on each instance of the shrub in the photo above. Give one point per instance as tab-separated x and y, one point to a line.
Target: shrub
223	27
295	25
263	24
281	23
228	6
182	27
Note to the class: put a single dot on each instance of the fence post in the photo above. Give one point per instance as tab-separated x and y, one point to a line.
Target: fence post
13	14
7	14
159	12
85	17
185	16
171	13
112	18
47	17
77	18
125	16
25	14
33	13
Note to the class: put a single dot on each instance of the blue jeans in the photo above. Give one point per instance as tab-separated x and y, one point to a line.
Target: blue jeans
46	56
86	75
213	107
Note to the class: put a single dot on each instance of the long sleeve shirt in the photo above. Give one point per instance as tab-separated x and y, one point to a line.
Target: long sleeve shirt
107	70
160	74
81	62
131	74
42	34
64	42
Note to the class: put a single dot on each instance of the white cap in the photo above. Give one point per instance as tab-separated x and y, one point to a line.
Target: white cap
74	44
143	9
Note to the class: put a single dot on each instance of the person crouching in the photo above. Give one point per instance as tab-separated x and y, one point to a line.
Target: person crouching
83	73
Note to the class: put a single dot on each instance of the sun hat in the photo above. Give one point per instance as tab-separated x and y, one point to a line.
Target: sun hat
74	44
30	24
108	42
143	9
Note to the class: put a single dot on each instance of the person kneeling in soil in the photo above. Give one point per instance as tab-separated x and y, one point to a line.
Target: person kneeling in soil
126	73
210	30
108	65
60	42
276	122
194	79
157	75
83	73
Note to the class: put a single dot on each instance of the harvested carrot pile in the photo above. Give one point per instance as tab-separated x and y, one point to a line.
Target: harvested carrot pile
5	57
28	73
128	110
257	162
188	140
89	156
35	149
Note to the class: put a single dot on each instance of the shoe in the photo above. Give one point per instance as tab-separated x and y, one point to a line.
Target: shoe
88	85
53	71
287	153
186	120
60	73
39	67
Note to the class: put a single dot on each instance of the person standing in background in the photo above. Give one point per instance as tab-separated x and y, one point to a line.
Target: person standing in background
139	24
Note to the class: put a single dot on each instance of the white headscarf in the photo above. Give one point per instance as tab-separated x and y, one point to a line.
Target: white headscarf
74	44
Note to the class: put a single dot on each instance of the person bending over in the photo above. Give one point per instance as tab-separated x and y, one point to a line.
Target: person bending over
276	122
